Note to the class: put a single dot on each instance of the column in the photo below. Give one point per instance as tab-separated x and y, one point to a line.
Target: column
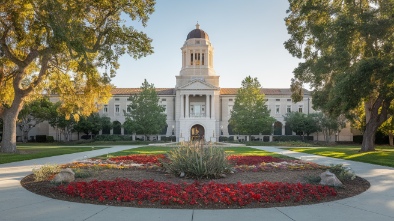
207	107
182	106
187	106
213	106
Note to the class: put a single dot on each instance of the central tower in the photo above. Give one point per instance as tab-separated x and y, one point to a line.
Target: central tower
197	90
197	59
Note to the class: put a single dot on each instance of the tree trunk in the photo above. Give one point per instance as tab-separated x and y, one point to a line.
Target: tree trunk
391	136
10	116
376	114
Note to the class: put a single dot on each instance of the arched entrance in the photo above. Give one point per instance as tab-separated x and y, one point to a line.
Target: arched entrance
197	132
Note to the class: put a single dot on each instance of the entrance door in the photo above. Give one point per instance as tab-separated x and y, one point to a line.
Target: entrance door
197	132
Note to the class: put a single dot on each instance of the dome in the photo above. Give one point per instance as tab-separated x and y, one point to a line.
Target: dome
197	33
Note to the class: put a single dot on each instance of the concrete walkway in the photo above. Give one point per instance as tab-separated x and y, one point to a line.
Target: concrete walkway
16	203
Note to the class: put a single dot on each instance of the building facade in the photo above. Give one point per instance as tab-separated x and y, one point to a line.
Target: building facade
198	107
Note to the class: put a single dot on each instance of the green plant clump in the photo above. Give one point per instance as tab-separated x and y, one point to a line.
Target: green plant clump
46	171
342	173
82	173
197	161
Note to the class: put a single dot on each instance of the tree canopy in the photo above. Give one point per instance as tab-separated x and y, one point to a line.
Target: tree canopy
347	49
57	46
146	114
250	114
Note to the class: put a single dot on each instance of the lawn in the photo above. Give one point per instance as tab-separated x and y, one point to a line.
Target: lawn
28	152
164	149
383	155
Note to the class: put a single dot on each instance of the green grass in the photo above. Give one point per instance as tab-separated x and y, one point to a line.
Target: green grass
383	155
163	150
28	152
140	150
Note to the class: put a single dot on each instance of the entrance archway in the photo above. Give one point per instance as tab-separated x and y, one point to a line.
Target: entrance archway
197	132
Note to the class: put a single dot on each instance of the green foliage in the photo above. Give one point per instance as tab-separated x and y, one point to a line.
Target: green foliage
60	45
250	114
45	172
301	123
342	173
146	114
347	50
197	161
50	139
33	113
82	173
112	137
91	124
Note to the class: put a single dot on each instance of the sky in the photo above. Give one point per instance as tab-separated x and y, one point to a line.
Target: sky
247	37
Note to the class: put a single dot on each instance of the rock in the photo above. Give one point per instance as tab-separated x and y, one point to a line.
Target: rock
329	179
222	175
182	174
64	176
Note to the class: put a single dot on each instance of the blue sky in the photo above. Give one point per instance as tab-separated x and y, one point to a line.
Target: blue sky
247	37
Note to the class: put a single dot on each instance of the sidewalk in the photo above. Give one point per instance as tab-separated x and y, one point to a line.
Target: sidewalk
16	203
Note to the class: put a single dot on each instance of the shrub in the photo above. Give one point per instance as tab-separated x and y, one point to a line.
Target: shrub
342	173
41	138
50	139
197	161
82	173
46	172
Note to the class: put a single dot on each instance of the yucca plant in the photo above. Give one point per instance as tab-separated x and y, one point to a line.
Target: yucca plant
197	161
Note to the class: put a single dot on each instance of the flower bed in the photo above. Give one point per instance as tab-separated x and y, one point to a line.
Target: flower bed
124	190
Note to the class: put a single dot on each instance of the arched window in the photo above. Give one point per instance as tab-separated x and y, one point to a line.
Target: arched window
117	127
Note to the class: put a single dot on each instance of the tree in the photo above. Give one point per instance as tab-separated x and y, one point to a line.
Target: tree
347	51
59	45
387	128
146	114
90	125
301	123
32	114
250	114
58	120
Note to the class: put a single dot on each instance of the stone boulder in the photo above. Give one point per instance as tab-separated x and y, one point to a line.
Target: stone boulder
329	179
64	176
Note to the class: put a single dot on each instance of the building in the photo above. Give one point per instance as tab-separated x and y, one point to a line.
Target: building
198	106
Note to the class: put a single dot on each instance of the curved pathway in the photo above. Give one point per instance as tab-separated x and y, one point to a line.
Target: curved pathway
16	203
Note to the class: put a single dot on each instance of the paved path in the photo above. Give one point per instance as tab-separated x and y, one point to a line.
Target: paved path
16	203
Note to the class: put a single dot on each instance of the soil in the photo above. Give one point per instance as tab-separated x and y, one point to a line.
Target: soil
350	188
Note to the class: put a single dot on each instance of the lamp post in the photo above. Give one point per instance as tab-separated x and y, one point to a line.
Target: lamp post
272	133
172	132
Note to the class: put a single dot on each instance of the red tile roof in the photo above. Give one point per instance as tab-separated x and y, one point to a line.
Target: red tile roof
223	91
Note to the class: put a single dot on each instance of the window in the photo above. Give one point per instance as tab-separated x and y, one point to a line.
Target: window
230	99
230	108
164	99
128	108
105	109
288	108
202	59
117	108
289	100
277	99
197	42
117	99
277	109
300	108
191	58
165	108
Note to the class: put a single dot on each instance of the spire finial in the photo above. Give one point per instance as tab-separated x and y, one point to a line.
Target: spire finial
197	26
